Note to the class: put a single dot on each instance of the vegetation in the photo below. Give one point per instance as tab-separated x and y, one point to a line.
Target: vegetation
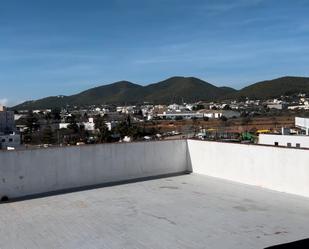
104	135
273	88
43	129
176	89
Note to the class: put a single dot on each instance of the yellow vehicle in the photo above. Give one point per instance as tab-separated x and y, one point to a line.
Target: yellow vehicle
263	131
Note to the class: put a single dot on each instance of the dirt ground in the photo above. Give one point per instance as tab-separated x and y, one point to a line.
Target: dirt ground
231	125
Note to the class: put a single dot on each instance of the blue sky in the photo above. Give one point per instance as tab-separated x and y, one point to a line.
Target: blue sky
65	46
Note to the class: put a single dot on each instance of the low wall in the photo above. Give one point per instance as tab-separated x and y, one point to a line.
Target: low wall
281	169
31	172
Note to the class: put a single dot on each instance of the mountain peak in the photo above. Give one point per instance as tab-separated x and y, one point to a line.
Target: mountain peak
123	82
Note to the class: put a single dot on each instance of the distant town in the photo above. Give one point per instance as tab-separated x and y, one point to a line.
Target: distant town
240	121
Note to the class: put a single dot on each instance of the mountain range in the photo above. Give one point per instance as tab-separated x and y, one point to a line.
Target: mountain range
172	90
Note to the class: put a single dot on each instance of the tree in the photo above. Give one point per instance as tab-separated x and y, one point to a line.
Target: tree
125	128
198	107
122	129
32	126
85	117
48	117
104	133
245	120
227	107
223	118
48	136
31	122
55	112
140	113
73	124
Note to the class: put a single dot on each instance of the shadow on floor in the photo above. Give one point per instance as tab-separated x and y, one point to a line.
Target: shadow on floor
7	199
293	245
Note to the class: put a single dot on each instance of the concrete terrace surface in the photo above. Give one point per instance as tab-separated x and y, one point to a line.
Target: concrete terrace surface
188	211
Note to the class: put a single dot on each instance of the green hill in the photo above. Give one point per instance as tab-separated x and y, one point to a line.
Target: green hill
179	89
175	89
118	92
274	88
172	90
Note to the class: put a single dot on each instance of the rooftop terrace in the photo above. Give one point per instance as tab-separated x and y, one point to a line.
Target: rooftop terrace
184	211
188	211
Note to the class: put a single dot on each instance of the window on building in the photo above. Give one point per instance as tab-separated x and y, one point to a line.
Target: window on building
297	145
289	144
11	140
3	140
276	144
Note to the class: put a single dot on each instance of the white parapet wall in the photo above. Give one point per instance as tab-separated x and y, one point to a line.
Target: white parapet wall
30	172
275	168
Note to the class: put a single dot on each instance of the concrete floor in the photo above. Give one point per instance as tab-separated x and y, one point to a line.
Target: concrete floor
190	211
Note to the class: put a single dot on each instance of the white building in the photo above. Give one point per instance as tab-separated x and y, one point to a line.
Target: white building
298	107
111	125
126	109
175	107
184	115
90	125
276	106
219	113
63	125
302	123
44	111
298	141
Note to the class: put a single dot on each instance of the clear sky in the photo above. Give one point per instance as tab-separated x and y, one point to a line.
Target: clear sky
51	47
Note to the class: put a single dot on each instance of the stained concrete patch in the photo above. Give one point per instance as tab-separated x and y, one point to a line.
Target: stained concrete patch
169	187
